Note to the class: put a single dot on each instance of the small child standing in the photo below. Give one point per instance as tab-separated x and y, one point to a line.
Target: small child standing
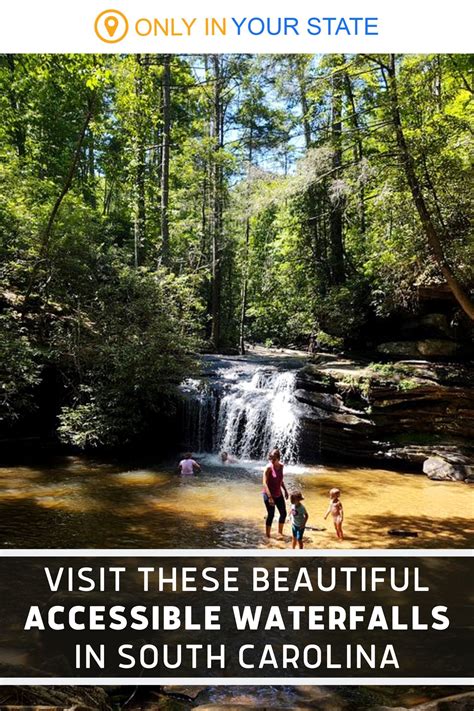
335	508
298	518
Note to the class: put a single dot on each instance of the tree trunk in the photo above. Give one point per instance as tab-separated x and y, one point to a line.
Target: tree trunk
246	265
140	204
244	297
337	202
300	75
434	239
90	193
358	150
203	245
47	232
18	131
165	160
313	198
216	266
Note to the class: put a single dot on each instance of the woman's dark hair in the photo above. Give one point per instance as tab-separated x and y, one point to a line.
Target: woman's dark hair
275	454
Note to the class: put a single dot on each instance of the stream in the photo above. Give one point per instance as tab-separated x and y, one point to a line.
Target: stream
74	502
244	406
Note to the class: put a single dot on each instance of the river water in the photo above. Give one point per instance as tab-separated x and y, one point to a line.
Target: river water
78	503
244	406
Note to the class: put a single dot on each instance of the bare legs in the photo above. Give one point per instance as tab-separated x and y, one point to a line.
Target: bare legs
295	541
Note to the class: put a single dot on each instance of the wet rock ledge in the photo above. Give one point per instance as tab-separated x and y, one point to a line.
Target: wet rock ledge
408	413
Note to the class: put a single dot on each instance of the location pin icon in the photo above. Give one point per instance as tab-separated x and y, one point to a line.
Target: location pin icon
111	24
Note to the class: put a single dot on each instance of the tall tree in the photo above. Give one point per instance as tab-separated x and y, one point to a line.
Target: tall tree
217	128
337	201
18	126
140	165
165	160
434	233
358	145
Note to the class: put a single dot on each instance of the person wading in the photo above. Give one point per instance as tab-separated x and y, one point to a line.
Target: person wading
273	487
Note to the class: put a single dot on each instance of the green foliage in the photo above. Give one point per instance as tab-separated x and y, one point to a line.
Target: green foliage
134	355
325	342
343	311
278	311
20	370
358	385
391	370
406	384
399	375
388	375
297	209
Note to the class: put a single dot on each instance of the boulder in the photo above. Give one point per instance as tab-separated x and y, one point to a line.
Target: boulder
428	348
59	698
253	706
46	708
457	702
184	693
440	469
437	348
406	412
404	349
436	322
321	400
432	325
167	703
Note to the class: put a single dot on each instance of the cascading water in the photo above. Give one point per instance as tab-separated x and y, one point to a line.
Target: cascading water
200	414
258	415
245	409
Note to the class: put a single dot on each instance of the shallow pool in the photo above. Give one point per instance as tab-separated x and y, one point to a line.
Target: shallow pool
77	503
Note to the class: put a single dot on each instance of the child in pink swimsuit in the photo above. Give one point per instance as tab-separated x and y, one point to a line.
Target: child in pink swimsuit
337	512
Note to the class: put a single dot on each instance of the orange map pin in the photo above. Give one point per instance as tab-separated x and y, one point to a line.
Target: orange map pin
111	23
111	26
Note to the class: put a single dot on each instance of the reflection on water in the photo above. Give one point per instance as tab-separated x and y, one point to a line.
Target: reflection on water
75	503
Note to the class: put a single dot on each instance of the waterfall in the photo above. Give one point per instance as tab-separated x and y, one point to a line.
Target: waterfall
201	404
245	411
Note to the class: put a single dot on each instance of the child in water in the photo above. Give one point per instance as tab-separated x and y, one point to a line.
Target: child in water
335	508
188	465
298	518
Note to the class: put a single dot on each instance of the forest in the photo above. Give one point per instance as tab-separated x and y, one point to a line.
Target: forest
155	207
